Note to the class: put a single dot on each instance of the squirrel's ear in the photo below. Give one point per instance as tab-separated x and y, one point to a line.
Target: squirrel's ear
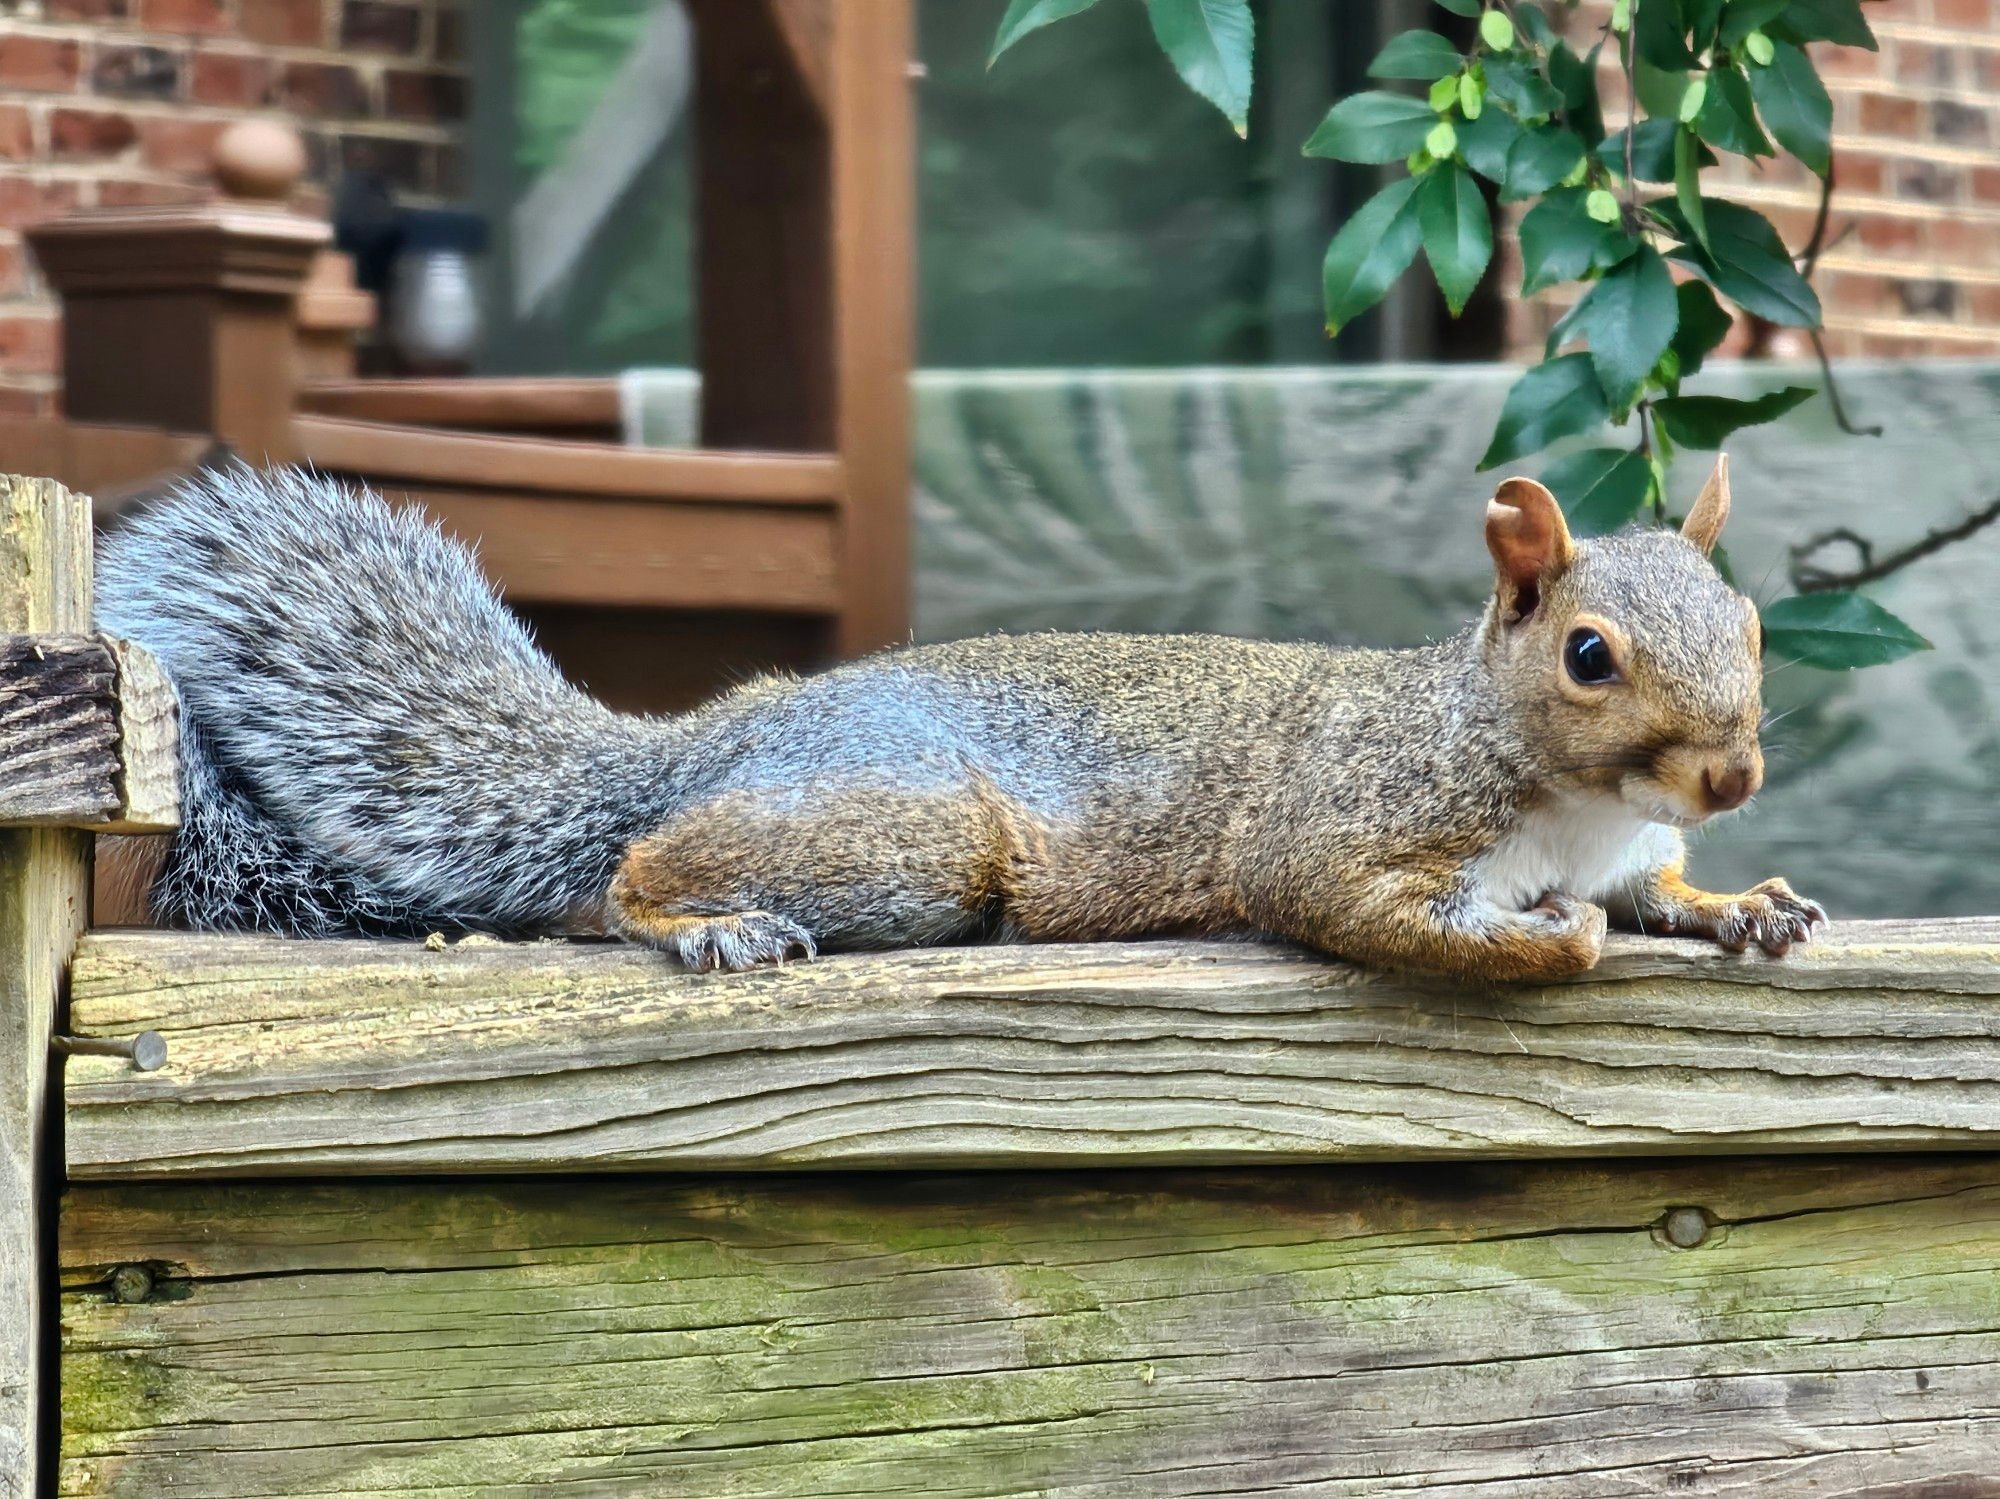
1711	507
1529	540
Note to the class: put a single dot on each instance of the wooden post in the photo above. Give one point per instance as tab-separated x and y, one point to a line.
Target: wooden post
183	318
874	216
44	904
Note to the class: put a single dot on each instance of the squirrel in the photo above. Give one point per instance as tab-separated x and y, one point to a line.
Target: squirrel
373	744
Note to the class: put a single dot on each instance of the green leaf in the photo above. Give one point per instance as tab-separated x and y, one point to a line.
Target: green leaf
1658	35
1838	21
1728	120
1745	261
1444	92
1652	151
1209	42
1602	205
1442	142
1838	631
1660	89
1515	83
1600	489
1423	55
1540	159
1024	16
1485	142
1741	17
1628	318
1687	183
1463	7
1795	106
1760	49
1372	249
1701	18
1458	232
1560	241
1557	398
1706	421
1496	30
1372	127
1703	325
1575	78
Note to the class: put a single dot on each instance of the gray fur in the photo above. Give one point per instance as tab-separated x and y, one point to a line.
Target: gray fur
371	741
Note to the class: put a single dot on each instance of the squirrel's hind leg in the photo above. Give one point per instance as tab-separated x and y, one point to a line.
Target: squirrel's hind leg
746	878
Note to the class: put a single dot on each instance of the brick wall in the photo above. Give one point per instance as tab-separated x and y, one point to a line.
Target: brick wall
119	102
1913	259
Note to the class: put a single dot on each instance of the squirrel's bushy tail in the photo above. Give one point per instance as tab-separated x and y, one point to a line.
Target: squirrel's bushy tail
370	741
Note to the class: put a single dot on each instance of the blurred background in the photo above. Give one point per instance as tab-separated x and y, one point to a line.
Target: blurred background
743	333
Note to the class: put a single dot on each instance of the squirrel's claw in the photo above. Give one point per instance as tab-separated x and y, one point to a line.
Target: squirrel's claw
729	943
1772	916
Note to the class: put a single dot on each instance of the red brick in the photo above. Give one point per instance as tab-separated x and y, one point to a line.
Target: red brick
30	344
1974	15
1985	304
119	192
1882	115
380	26
39	63
17	132
240	78
199	17
13	268
1858	174
1986	186
402	162
87	10
136	72
1880	233
285	23
173	144
26	200
87	133
409	95
331	91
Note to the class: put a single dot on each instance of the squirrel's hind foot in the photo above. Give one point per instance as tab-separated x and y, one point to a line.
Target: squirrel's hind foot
727	944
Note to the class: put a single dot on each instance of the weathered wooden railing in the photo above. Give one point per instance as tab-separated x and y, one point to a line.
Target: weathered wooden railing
476	1218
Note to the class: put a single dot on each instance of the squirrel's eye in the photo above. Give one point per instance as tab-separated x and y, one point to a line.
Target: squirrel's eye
1588	659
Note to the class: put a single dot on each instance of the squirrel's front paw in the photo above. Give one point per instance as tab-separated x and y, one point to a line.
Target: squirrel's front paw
1772	915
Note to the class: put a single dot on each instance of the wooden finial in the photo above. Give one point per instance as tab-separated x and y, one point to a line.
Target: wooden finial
261	160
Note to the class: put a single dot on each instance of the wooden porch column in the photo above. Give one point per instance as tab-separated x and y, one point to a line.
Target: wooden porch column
182	317
44	905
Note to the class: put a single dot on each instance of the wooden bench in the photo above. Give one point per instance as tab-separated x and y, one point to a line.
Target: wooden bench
477	1218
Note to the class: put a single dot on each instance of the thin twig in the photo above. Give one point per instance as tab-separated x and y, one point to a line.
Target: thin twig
1808	263
1631	116
1808	577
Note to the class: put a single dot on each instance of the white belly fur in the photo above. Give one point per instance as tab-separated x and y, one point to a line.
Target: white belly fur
1587	849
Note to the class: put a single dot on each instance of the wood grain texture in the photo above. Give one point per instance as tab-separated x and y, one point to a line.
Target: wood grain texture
45	580
358	1057
149	743
1521	1330
58	731
433	455
89	735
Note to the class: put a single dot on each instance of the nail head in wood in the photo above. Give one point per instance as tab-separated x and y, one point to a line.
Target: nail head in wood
1687	1227
146	1051
131	1284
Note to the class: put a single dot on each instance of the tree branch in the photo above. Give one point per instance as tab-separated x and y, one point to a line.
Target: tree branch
1809	577
1808	263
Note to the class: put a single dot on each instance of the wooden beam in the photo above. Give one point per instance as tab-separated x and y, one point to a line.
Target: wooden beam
1519	1329
44	902
378	451
89	736
358	1057
516	405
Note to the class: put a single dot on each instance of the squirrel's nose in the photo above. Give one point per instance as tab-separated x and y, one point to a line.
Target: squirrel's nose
1729	785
